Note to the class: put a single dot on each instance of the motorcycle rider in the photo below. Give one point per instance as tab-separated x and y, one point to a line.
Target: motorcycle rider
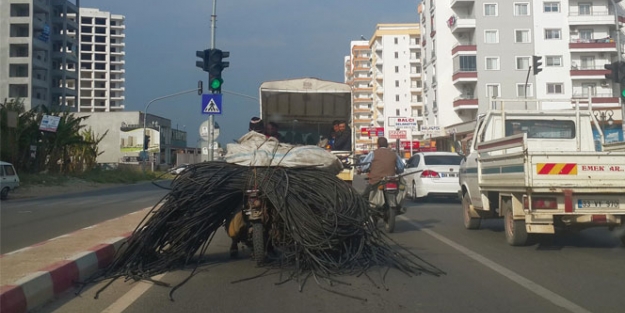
380	163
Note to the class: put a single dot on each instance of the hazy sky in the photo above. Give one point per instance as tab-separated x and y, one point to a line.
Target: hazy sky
267	40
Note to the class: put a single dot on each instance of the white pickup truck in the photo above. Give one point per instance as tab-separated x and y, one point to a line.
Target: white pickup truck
539	171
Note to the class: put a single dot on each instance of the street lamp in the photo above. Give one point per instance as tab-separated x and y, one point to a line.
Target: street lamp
603	117
145	114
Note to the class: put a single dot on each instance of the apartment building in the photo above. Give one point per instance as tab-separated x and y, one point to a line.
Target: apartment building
102	61
476	50
358	76
38	54
387	84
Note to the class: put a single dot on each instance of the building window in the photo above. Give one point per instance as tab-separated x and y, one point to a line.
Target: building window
396	55
397	112
522	36
467	63
396	83
522	63
585	8
492	63
588	62
491	36
521	9
520	90
492	90
553	60
396	69
586	35
490	9
555	88
551	7
396	40
553	34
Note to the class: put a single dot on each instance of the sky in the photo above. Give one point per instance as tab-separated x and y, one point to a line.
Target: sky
267	40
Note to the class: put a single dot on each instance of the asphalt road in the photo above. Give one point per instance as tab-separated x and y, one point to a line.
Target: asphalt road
25	222
574	273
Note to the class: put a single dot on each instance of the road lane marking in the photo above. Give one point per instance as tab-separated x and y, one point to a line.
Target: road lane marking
524	282
131	296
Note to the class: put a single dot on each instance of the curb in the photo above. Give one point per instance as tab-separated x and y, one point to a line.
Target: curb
44	285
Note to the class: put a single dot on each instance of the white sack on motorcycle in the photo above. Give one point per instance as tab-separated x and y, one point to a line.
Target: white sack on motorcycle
254	149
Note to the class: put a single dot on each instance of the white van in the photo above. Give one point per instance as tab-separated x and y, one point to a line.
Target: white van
8	179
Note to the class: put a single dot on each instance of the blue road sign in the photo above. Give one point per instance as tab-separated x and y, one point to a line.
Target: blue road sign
211	104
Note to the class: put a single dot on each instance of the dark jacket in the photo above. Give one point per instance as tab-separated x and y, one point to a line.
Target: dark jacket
343	141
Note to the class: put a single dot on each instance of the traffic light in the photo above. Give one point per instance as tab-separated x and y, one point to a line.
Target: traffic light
204	56
536	64
614	74
146	142
621	71
216	65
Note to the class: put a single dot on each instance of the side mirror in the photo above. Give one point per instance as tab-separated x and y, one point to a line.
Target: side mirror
458	147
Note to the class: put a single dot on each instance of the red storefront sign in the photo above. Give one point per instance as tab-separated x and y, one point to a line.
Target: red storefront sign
405	145
372	131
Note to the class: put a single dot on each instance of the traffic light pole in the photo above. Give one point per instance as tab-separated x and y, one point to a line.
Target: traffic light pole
211	118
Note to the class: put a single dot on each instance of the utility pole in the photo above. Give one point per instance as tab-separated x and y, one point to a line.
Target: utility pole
211	118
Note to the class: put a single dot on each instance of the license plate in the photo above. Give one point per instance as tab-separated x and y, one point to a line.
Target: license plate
449	175
596	203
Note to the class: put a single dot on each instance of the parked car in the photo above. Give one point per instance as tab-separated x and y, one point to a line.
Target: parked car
433	174
8	179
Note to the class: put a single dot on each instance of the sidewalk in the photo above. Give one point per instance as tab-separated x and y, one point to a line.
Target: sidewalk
34	275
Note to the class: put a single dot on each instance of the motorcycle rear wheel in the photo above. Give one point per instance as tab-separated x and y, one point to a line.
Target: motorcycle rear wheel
390	220
258	241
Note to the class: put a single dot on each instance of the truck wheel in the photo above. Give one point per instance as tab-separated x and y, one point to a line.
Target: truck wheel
516	234
623	240
258	241
469	222
4	194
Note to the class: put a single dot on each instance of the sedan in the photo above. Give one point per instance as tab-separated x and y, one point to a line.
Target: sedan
433	174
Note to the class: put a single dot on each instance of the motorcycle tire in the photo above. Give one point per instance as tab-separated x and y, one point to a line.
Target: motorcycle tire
258	241
390	221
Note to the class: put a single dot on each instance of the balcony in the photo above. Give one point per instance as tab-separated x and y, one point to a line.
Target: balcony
467	103
596	17
363	121
465	75
462	48
461	3
594	45
461	23
362	110
363	99
588	72
598	99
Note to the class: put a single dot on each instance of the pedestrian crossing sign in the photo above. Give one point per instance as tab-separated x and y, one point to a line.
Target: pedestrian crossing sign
211	104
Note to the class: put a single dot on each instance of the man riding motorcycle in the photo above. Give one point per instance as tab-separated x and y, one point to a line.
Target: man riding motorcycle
380	163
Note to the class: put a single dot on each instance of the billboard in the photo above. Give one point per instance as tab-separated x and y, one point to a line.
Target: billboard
131	139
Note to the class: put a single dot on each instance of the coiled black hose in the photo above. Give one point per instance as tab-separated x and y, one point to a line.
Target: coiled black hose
324	225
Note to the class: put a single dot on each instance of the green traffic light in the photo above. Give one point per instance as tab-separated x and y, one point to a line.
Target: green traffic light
216	83
623	93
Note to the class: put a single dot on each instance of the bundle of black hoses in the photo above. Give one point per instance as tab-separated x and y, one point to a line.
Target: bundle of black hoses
323	225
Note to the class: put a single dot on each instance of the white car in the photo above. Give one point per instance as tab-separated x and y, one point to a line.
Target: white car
8	179
433	174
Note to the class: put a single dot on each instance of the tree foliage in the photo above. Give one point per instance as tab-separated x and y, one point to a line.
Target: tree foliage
71	149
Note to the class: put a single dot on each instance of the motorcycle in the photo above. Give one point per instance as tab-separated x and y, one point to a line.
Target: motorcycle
252	226
386	199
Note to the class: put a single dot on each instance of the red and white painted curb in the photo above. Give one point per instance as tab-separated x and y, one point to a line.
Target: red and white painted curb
42	286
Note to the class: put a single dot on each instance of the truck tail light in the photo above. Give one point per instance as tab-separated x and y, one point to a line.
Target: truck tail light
429	174
541	203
